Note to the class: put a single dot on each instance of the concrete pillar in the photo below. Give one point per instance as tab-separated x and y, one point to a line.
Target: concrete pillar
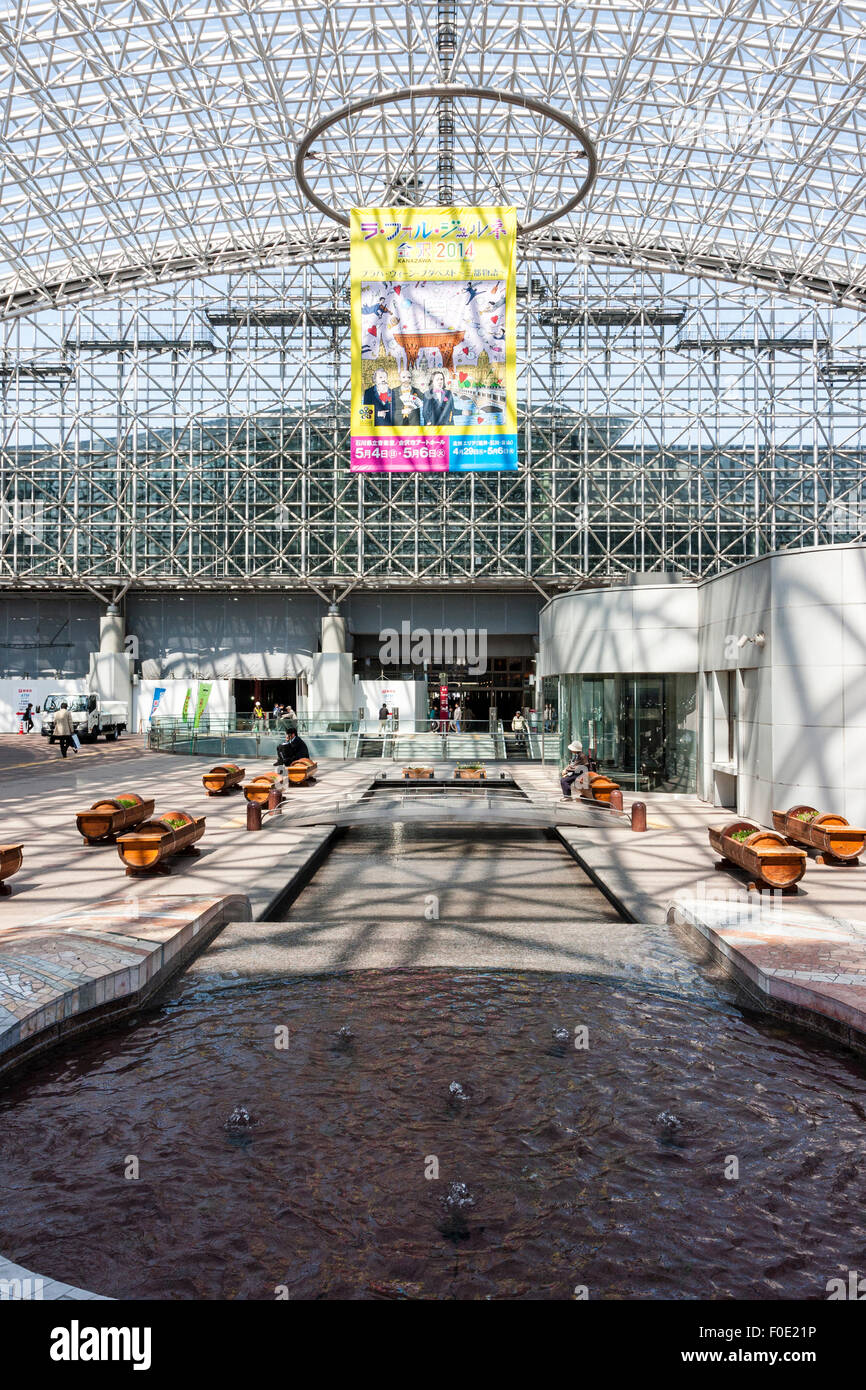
110	674
112	630
330	689
333	633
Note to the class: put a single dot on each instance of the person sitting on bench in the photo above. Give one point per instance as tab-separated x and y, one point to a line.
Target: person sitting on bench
293	749
577	770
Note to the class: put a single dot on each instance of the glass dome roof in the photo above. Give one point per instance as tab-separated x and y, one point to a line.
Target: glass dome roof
149	140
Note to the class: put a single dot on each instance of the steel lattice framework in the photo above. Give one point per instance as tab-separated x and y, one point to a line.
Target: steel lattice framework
174	345
197	436
151	139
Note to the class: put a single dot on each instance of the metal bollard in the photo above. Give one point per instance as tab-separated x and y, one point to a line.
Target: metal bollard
275	796
254	815
638	815
616	799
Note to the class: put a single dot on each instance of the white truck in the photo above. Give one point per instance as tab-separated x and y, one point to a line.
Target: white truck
91	716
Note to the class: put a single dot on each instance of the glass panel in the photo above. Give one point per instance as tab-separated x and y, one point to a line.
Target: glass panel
641	729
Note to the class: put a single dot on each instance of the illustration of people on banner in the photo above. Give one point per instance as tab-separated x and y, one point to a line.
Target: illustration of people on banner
433	339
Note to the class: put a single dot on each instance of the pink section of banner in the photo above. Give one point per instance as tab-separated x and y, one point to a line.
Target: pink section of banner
408	453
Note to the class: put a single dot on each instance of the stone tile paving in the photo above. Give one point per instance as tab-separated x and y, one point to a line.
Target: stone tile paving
82	959
20	1284
38	807
812	968
804	955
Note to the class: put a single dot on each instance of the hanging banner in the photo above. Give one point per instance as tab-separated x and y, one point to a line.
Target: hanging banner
185	710
158	693
204	690
433	340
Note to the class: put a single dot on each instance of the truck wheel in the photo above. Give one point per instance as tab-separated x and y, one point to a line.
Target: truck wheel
50	738
114	734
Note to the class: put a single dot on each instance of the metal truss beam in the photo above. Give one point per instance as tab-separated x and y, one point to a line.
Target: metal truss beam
227	469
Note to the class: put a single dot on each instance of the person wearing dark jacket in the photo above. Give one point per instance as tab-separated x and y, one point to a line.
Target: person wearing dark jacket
381	398
438	405
293	749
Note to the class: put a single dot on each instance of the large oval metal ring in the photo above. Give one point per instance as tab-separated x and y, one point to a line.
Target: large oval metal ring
444	89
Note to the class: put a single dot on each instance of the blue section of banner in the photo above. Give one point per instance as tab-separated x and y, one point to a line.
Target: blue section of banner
482	453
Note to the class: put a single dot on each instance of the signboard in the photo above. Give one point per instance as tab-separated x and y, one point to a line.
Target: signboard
157	696
204	691
433	340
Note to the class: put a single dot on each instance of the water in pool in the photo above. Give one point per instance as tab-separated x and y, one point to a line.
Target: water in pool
436	1134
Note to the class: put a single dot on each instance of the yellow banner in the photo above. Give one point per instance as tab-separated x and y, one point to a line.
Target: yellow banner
433	339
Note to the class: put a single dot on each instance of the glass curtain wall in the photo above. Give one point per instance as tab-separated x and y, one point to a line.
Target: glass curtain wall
643	729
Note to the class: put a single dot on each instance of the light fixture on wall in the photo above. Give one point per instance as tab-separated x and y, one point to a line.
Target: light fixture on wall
759	639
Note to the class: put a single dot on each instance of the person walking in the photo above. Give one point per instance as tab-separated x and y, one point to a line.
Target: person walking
258	717
28	719
63	729
456	716
576	772
518	727
383	719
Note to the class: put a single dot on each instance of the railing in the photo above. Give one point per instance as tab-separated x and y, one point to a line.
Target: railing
499	740
241	736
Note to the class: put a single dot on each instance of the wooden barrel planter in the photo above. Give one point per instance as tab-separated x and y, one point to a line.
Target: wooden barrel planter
258	788
418	774
111	815
160	839
835	840
11	857
470	774
764	855
300	771
600	788
223	778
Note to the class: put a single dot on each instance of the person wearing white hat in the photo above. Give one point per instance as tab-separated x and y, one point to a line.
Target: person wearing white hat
577	770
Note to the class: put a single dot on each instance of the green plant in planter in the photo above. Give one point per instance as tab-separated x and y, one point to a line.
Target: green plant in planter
741	835
806	815
176	822
126	802
470	767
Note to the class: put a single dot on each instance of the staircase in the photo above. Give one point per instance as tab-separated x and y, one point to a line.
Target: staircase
369	747
515	748
471	748
418	748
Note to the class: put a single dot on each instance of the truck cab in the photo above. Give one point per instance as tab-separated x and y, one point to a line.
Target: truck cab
90	716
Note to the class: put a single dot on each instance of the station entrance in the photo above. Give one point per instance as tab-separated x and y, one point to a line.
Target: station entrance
269	692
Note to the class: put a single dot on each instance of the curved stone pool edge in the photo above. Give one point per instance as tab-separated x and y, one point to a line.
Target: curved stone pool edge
805	970
79	970
18	1283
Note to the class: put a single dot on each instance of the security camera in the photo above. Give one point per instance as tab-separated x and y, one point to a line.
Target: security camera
741	641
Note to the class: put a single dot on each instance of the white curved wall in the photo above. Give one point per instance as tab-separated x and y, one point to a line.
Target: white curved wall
647	628
801	732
